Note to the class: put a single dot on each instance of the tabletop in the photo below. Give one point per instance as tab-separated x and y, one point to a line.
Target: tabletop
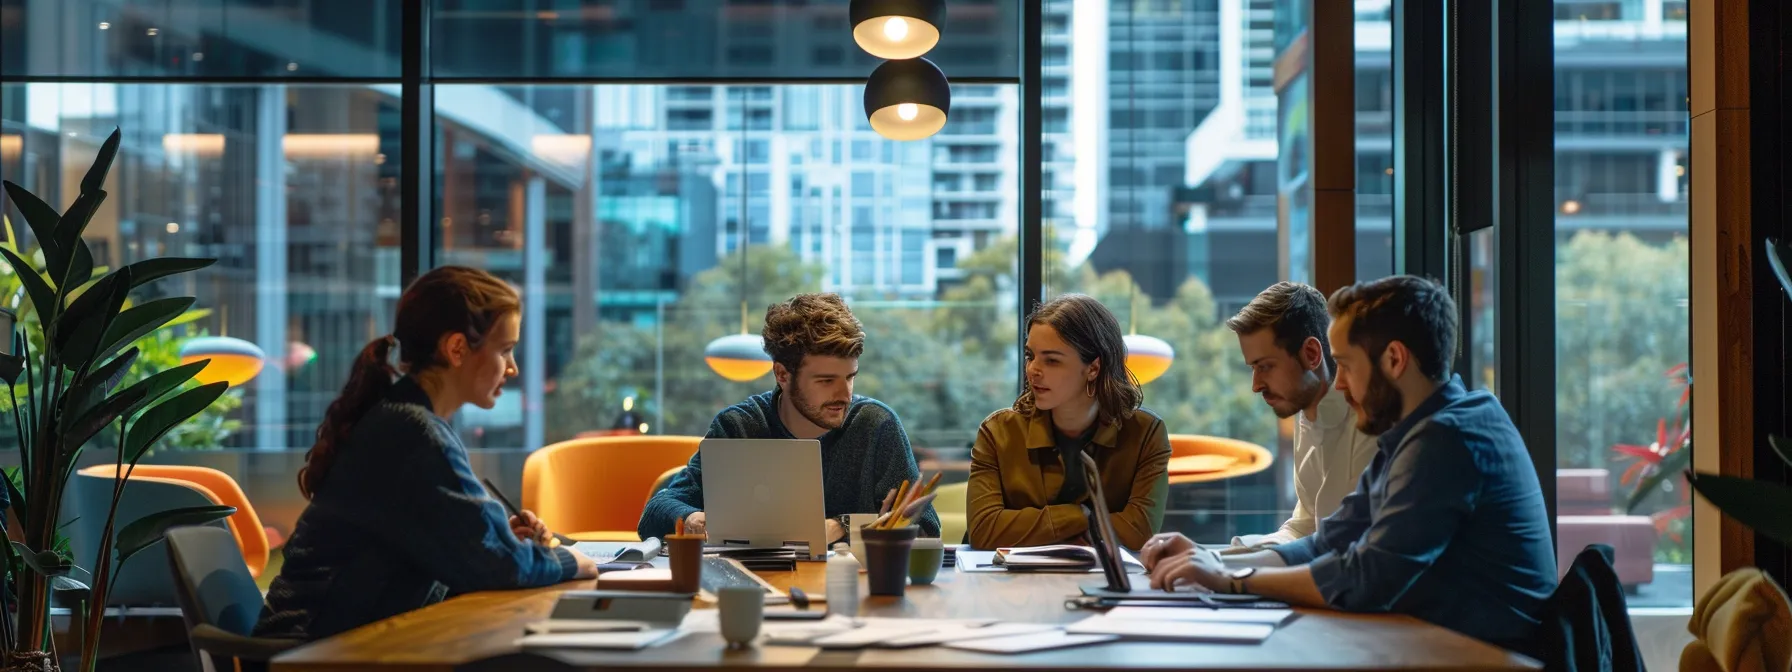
479	632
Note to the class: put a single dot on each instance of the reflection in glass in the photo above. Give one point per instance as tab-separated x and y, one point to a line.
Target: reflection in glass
292	188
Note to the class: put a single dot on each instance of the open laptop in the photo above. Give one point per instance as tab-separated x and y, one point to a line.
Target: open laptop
1119	586
764	493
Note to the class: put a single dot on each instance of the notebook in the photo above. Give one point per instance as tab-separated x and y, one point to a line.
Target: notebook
1060	557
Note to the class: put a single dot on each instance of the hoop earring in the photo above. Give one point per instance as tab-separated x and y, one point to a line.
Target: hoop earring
1089	390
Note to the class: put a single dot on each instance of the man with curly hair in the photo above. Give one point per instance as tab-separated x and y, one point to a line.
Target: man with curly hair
815	344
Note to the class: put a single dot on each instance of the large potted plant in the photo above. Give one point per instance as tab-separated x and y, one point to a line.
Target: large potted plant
72	369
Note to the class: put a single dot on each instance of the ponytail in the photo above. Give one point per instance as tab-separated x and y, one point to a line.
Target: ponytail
367	384
447	300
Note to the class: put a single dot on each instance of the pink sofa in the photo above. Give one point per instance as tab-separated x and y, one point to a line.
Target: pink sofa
1585	514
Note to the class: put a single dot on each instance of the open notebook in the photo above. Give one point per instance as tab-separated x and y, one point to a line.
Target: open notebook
1058	557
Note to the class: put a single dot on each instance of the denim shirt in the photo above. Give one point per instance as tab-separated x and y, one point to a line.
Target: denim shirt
1447	525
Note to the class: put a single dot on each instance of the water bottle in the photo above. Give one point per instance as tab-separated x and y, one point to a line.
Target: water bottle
843	582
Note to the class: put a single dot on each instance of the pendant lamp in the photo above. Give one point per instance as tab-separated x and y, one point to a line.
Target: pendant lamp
1147	357
740	357
907	100
234	360
897	29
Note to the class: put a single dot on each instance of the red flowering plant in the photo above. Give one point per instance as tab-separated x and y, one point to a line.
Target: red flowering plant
1668	457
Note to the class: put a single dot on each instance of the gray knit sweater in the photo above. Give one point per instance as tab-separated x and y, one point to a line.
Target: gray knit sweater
861	461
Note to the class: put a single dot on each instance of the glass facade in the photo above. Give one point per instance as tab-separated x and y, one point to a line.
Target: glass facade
642	170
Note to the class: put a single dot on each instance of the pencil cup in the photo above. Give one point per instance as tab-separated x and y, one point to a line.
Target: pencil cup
858	521
741	610
886	559
686	551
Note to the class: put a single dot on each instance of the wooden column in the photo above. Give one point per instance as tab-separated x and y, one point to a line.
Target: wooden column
1723	257
1333	67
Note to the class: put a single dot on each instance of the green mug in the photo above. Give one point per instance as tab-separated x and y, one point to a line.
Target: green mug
924	560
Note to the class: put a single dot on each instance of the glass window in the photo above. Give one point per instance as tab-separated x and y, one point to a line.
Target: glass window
201	39
293	188
1622	259
707	39
665	263
1174	238
1374	146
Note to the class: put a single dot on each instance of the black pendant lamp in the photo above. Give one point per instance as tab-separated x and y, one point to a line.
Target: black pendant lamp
907	99
897	29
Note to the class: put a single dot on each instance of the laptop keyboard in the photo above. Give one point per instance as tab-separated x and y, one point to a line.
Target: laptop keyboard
718	573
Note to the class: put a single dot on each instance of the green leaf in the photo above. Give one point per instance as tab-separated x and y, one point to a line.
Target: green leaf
75	434
1759	505
150	270
19	503
94	388
80	328
38	215
159	384
1776	253
102	164
146	531
160	419
10	367
140	320
43	299
80	267
1671	466
189	317
47	563
1780	449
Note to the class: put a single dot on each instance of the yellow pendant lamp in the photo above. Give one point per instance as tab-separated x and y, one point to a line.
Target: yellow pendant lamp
1147	357
739	358
233	360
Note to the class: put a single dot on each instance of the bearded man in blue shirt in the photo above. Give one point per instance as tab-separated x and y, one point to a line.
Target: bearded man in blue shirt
1447	524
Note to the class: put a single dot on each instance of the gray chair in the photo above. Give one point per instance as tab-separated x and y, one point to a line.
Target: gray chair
143	582
219	600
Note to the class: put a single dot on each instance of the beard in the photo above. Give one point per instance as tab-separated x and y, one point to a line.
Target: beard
814	413
1285	407
1380	406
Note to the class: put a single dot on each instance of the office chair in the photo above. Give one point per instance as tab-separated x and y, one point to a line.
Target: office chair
219	600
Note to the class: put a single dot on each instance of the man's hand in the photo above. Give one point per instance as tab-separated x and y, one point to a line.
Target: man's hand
1163	546
835	531
693	524
526	526
587	566
1198	569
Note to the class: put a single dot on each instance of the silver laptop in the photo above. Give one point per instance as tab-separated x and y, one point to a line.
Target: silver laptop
764	493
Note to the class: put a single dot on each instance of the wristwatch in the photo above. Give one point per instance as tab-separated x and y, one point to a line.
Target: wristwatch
1238	577
845	528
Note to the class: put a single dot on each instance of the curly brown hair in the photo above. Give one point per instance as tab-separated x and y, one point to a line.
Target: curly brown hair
811	324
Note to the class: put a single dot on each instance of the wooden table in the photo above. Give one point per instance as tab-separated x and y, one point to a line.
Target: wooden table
484	627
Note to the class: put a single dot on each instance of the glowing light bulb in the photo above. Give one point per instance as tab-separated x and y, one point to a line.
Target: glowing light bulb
896	28
907	111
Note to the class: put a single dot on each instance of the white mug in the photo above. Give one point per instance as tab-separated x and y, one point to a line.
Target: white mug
741	609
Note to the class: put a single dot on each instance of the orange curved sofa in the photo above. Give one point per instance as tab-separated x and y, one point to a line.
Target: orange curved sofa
594	488
219	487
1196	458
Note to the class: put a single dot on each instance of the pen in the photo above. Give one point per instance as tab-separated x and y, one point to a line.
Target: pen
550	540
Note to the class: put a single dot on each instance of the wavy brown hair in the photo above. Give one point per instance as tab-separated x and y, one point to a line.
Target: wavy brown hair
811	324
1092	330
447	300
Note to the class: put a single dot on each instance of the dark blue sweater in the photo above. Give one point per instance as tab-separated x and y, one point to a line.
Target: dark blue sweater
861	461
400	522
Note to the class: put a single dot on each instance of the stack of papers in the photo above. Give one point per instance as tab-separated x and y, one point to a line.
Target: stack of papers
1173	631
614	641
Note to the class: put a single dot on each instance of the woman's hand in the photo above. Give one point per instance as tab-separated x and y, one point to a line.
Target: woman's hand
1162	546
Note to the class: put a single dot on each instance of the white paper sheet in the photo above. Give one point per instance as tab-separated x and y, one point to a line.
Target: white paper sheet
1202	615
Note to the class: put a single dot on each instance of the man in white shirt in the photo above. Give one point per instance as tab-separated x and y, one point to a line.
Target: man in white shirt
1282	334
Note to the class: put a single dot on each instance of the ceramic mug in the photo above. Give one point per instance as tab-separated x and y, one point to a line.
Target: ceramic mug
741	609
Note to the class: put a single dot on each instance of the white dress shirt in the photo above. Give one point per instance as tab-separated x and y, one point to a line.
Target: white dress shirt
1330	456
